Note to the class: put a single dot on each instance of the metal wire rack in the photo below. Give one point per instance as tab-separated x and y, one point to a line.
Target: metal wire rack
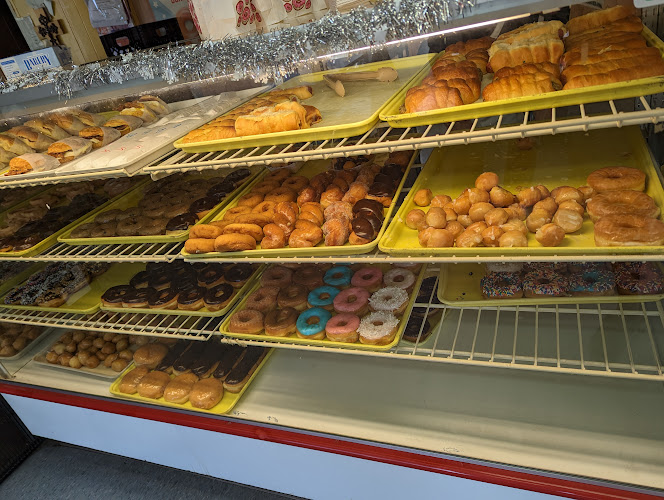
382	138
136	252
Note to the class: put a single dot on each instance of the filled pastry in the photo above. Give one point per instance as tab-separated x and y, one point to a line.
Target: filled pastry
67	122
100	136
12	145
157	105
32	162
32	138
69	149
47	127
124	123
138	109
88	119
5	156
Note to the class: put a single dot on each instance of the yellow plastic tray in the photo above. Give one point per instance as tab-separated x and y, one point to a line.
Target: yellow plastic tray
53	238
227	403
620	90
346	116
294	339
558	160
131	199
181	312
309	169
459	286
17	279
85	301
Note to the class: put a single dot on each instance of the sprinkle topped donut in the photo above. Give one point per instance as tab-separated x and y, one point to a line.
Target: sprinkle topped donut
501	286
378	328
593	282
390	299
400	278
544	284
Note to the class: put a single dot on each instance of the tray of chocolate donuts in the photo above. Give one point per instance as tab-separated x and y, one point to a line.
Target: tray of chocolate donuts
181	288
193	375
496	284
594	193
102	355
162	211
357	306
68	287
325	208
35	224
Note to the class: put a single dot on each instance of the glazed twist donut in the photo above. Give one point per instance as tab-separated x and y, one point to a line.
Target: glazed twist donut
308	194
305	236
274	237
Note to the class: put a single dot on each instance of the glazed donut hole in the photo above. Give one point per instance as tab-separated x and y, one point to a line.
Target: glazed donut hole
491	236
462	205
569	220
478	227
440	238
436	218
515	225
516	211
476	195
424	235
511	239
440	200
572	205
567	193
547	204
501	197
544	191
550	235
478	211
469	239
464	220
496	216
450	214
537	219
455	228
423	197
529	196
587	192
486	181
416	219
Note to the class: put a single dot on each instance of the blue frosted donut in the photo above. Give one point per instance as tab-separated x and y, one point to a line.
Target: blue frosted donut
312	321
338	276
594	282
501	286
323	296
544	283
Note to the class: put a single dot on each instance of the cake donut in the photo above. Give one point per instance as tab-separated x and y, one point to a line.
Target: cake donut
368	277
323	296
343	328
544	283
400	278
311	323
378	328
263	299
247	321
338	276
500	285
278	276
353	300
390	299
310	276
294	296
281	322
593	282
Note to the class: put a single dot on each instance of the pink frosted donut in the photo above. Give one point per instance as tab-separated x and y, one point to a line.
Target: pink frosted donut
368	277
352	300
401	278
343	328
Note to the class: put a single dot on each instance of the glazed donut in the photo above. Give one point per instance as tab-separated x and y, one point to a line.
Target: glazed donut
204	231
550	235
416	219
513	239
529	196
199	245
265	207
247	321
153	227
278	175
622	203
274	237
307	195
316	209
293	296
547	204
233	242
500	197
311	217
617	179
423	197
253	230
569	220
356	191
280	323
501	286
491	236
264	299
281	194
250	200
305	238
132	225
277	276
628	230
331	194
440	200
486	181
232	213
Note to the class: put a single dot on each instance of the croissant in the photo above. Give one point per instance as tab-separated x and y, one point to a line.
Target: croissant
427	97
532	30
617	75
524	69
520	86
465	69
631	42
603	39
630	24
463	48
545	48
609	65
479	57
468	89
597	18
302	92
609	55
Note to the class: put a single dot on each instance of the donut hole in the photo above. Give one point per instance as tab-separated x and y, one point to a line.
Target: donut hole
343	322
324	296
398	279
314	320
351	299
337	276
377	322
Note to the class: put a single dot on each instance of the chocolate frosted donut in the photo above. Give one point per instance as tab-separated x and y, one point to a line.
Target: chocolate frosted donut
139	296
181	222
173	354
238	174
140	280
203	204
369	206
161	298
159	279
211	275
363	228
115	295
238	274
228	359
381	189
185	283
219	295
221	189
191	295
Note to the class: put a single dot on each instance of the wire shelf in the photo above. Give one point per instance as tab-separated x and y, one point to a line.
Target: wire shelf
136	252
155	325
614	340
382	138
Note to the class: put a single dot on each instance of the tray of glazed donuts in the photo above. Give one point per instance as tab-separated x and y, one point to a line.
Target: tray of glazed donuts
325	208
34	225
497	284
99	354
572	194
357	306
162	211
67	287
199	289
193	375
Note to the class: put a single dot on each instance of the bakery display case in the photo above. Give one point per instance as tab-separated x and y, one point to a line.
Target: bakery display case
430	266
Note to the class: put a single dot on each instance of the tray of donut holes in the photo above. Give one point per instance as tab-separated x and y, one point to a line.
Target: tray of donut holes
594	193
327	207
180	288
18	340
208	376
90	353
161	211
357	306
511	284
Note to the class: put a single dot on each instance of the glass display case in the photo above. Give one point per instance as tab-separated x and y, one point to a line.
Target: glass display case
505	257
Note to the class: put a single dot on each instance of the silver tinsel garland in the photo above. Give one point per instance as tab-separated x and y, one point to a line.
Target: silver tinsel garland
264	57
